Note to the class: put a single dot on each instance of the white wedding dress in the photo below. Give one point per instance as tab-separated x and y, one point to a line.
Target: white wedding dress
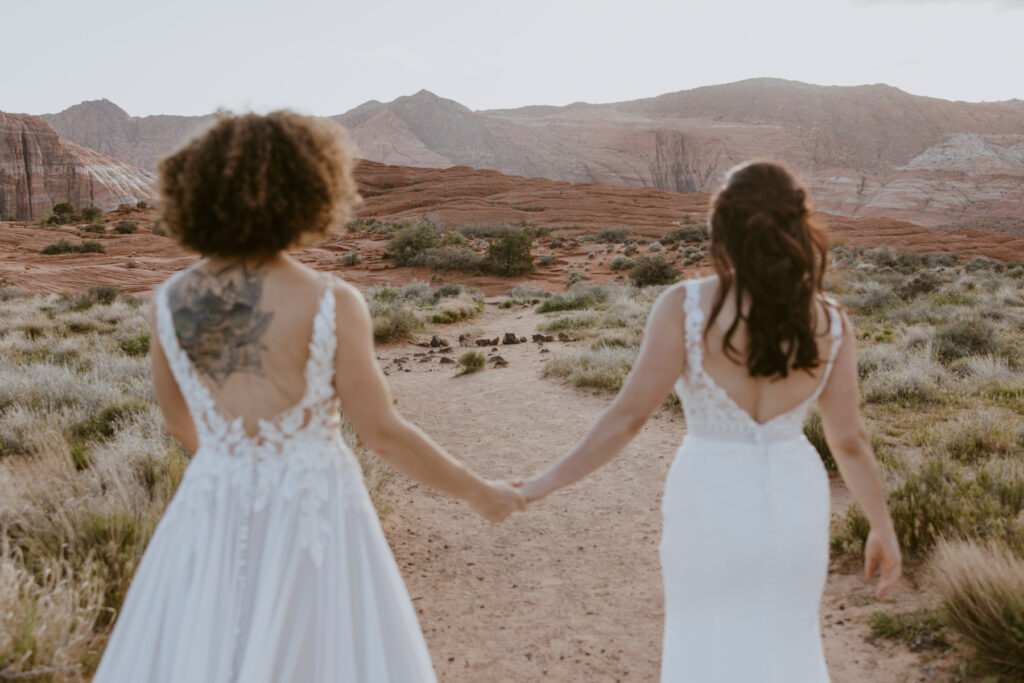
269	565
744	549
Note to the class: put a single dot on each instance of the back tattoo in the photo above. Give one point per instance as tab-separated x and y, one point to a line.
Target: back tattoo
218	320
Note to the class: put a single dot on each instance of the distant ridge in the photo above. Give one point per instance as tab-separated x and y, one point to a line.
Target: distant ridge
868	150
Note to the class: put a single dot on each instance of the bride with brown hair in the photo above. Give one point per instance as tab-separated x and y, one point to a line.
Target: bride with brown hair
745	535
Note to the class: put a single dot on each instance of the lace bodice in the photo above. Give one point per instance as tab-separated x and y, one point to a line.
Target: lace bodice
710	412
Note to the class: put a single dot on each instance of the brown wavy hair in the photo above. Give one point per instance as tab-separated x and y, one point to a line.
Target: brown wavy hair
763	244
254	185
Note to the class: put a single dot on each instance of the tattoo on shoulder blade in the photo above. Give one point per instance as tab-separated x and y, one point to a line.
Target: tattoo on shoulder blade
218	321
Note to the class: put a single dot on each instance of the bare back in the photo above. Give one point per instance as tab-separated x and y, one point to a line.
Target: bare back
246	328
762	398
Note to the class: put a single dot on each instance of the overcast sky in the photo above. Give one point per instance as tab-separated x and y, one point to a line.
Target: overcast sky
325	57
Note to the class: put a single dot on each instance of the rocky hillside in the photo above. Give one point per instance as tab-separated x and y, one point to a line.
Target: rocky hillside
140	141
38	170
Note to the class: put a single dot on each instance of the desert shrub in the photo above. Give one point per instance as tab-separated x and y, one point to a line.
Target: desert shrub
95	228
979	436
135	346
982	592
604	368
456	308
350	259
924	282
141	204
939	500
923	626
578	298
510	254
546	260
471	361
102	294
446	258
870	296
410	241
556	243
901	378
487	231
63	209
525	294
394	322
969	335
60	247
621	263
612	235
975	264
652	270
92	247
815	433
126	227
569	322
92	214
689	233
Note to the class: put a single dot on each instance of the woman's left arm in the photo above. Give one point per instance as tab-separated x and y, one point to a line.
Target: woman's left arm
659	364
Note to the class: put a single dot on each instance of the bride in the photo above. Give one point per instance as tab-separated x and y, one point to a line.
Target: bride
269	564
745	537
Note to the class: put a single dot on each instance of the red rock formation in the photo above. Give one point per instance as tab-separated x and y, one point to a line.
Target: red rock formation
38	170
455	196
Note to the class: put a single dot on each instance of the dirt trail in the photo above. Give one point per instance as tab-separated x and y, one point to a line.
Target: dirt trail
570	590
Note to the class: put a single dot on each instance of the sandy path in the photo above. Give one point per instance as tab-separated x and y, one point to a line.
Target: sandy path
571	590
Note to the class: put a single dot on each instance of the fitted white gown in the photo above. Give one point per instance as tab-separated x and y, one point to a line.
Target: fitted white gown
744	547
269	565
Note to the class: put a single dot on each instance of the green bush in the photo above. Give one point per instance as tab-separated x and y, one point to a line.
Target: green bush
939	500
922	625
350	259
472	361
577	298
135	346
97	228
102	294
924	282
970	335
126	227
447	258
411	241
612	235
691	233
60	247
487	230
92	247
652	270
141	204
510	254
92	214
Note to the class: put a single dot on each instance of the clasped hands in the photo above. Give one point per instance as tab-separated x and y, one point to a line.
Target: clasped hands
501	498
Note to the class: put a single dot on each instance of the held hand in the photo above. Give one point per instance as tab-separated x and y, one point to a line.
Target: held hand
499	501
533	489
882	554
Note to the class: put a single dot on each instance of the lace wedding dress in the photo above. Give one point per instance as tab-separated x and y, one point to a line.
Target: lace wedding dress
269	565
744	550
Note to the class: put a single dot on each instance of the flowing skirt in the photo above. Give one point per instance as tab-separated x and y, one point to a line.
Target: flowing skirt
744	556
268	577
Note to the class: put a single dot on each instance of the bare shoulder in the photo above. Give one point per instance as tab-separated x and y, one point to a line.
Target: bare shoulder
349	302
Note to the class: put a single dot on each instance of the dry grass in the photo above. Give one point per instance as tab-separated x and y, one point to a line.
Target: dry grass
981	587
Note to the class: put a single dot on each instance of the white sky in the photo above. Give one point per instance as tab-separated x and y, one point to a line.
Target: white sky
325	57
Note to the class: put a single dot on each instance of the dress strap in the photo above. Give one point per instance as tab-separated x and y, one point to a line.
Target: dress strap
693	328
835	330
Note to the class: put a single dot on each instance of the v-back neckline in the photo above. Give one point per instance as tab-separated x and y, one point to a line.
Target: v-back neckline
695	309
166	318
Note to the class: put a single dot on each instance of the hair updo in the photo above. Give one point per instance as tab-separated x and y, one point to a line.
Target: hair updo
254	185
763	244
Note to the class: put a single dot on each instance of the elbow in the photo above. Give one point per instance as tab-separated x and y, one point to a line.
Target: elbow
382	435
851	446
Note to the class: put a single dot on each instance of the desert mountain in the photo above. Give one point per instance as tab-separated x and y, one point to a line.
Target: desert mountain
865	151
140	141
38	169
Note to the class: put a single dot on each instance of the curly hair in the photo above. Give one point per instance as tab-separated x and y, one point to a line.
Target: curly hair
254	185
764	244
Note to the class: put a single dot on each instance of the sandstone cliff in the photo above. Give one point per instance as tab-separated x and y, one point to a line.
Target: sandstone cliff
38	170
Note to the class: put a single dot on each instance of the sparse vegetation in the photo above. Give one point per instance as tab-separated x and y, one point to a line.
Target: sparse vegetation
472	361
64	246
399	313
510	254
614	235
652	270
126	227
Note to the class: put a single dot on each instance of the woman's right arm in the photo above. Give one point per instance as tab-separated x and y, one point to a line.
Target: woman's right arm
366	402
848	440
